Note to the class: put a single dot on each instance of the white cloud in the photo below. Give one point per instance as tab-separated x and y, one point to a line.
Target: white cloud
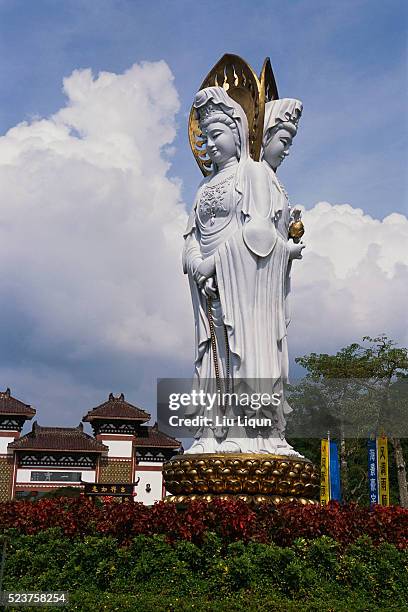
352	280
90	223
92	294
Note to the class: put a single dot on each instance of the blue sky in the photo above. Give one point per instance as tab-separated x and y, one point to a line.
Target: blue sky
92	296
346	60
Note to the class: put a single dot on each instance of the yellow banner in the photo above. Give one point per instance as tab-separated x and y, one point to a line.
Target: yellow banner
383	480
324	473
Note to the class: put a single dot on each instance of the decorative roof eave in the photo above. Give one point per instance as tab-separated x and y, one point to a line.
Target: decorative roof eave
116	409
89	418
46	449
70	440
10	406
15	413
147	446
156	439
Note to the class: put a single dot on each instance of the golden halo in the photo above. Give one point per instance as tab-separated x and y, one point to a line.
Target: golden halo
241	83
269	89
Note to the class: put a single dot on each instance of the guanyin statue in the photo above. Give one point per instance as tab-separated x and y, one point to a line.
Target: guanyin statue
237	256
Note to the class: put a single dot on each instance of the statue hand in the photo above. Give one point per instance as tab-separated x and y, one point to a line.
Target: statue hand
205	270
295	250
210	288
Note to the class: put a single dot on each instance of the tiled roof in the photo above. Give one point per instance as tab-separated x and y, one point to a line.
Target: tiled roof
11	405
116	408
155	438
58	439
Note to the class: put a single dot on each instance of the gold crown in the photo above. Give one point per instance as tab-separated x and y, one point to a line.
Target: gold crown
239	80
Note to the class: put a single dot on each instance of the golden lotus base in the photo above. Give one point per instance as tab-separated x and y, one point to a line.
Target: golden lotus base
255	478
276	500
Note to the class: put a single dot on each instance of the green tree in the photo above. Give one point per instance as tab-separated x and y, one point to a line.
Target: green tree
363	386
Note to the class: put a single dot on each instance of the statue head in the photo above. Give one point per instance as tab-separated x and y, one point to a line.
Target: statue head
223	125
280	127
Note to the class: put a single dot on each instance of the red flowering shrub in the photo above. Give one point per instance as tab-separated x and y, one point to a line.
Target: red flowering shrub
233	520
74	516
342	523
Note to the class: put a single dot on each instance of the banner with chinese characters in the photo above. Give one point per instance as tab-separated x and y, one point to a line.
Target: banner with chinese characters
382	467
372	471
324	473
334	472
111	489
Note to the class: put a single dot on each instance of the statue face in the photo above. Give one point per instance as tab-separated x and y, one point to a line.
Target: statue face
221	145
278	147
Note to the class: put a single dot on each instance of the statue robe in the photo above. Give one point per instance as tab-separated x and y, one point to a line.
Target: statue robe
252	272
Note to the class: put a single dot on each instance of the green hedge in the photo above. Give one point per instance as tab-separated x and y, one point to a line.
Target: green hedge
153	575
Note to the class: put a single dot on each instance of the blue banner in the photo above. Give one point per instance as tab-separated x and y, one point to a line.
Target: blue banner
372	471
335	489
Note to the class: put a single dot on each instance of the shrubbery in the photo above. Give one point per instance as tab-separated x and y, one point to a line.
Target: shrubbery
231	520
152	574
221	556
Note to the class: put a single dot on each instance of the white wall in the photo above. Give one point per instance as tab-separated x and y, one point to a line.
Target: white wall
4	441
155	479
88	476
119	448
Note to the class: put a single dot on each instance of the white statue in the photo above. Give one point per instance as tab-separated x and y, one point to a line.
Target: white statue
237	257
280	127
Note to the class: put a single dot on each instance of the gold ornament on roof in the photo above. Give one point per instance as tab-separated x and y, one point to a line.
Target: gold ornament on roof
239	80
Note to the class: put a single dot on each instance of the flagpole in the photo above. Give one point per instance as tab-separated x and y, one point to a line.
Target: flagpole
324	472
328	465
